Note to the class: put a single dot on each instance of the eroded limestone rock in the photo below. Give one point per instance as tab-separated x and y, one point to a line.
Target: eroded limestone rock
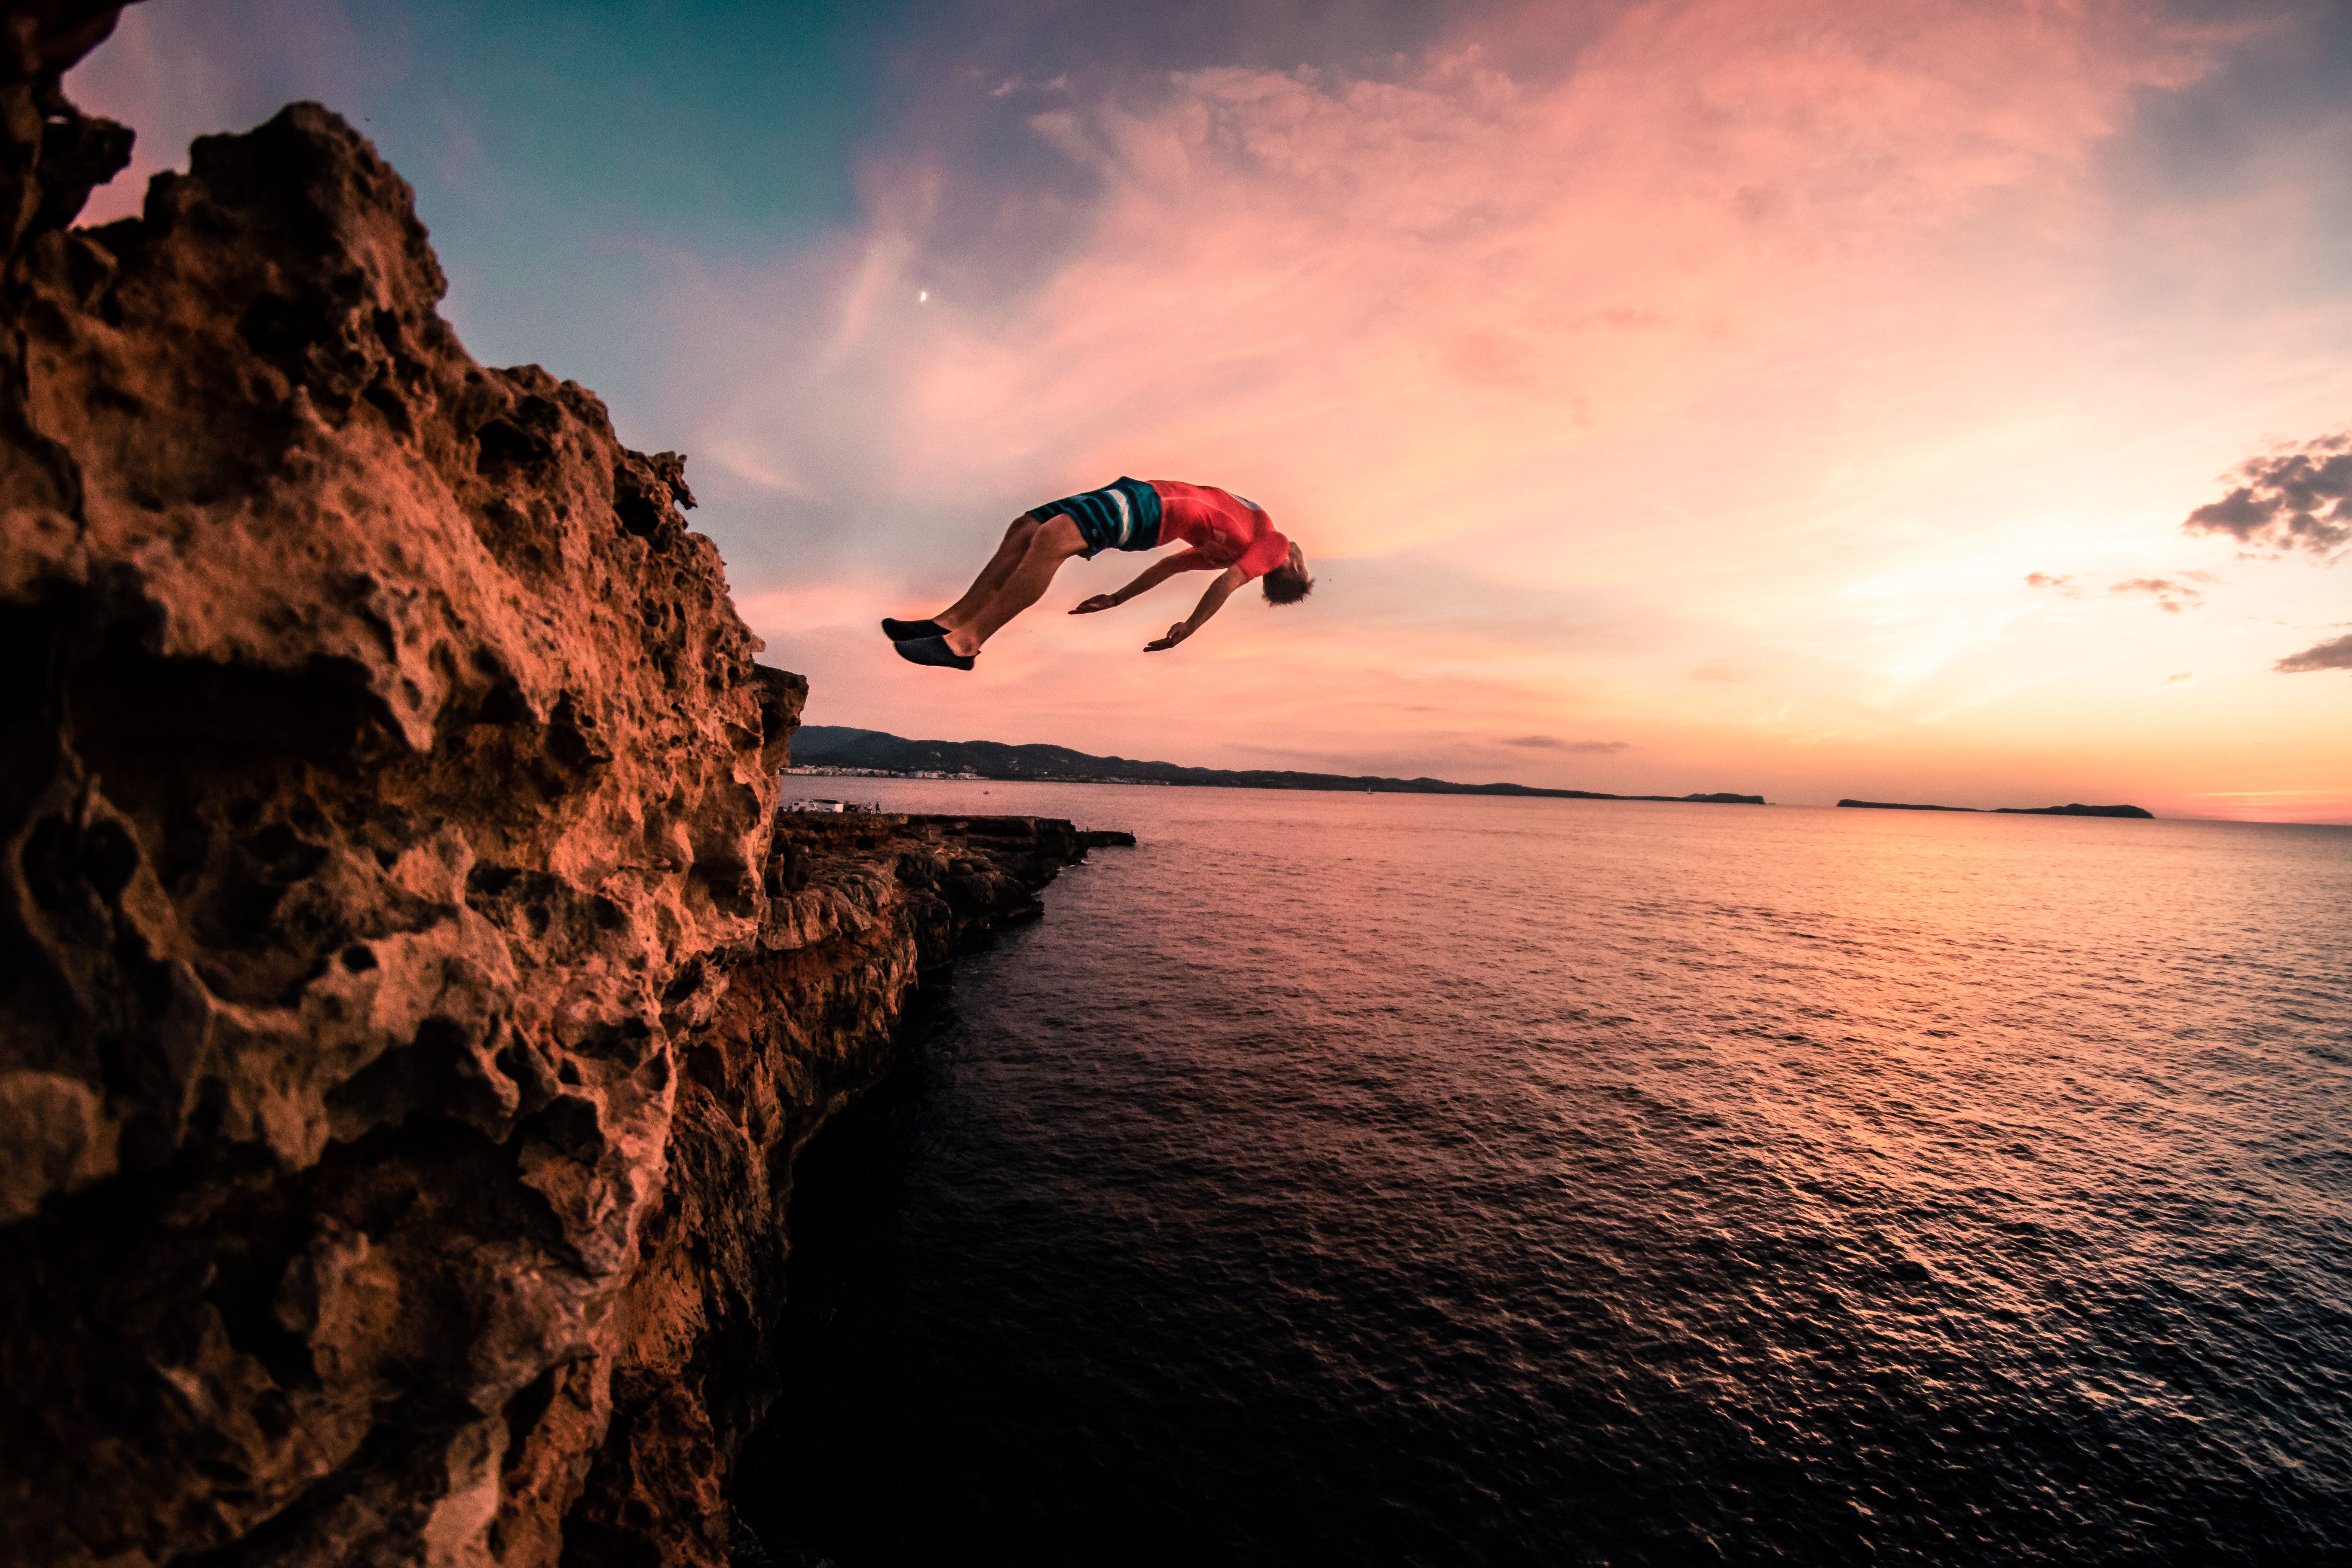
382	768
409	1006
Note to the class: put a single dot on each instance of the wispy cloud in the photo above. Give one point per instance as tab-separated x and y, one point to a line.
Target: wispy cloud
2173	595
2168	595
1554	744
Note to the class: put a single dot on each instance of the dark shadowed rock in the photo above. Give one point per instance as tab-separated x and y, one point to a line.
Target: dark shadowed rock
51	155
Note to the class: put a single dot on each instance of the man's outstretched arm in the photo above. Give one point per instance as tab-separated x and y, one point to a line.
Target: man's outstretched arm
1211	602
1159	572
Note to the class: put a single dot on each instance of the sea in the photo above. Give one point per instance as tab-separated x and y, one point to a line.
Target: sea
1428	1180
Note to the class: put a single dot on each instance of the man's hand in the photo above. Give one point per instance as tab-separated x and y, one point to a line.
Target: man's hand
1176	634
1099	602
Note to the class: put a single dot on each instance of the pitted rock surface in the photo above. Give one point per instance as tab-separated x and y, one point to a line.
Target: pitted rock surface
401	1052
391	761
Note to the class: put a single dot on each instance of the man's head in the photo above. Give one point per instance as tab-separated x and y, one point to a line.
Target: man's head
1288	582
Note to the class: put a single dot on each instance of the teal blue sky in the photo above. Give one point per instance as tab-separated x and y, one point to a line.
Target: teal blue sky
736	126
551	145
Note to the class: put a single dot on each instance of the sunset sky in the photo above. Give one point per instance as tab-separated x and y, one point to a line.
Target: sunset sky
1809	397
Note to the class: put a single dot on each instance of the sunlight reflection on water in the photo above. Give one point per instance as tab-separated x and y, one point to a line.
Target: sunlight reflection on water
1410	1179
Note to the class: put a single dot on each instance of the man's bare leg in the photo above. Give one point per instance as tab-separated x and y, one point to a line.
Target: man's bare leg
991	576
1044	547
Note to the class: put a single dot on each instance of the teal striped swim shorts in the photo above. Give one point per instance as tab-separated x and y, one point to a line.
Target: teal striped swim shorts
1122	515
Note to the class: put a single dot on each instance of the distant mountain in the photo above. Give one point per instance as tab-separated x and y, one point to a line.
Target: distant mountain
837	746
2077	810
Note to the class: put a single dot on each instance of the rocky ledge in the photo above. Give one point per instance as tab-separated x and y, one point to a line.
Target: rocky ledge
410	1005
859	908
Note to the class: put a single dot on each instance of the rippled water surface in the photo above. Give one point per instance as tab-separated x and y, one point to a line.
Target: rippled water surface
1421	1180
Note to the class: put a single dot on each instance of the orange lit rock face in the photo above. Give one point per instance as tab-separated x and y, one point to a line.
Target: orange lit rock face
395	766
401	1052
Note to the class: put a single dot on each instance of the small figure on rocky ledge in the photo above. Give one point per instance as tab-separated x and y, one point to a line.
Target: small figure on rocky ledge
1226	534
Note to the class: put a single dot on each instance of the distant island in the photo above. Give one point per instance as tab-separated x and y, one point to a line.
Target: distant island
2075	810
832	749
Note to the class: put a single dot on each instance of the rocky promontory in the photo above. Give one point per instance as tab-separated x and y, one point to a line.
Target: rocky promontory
412	1003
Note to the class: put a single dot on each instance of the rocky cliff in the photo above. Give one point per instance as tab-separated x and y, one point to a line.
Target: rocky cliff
408	1007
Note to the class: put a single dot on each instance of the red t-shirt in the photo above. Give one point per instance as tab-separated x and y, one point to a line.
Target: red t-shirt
1222	529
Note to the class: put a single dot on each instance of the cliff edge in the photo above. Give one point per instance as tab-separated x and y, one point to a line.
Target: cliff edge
408	1010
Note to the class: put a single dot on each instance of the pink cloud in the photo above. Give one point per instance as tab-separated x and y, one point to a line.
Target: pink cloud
1466	274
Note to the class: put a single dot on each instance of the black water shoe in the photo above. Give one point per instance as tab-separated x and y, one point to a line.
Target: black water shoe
932	650
900	631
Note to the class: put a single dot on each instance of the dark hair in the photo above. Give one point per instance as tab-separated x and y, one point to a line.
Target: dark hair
1286	584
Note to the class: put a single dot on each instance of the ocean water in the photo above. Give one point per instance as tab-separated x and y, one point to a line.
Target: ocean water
1366	1179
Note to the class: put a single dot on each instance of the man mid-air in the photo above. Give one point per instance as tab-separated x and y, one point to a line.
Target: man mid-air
1228	536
